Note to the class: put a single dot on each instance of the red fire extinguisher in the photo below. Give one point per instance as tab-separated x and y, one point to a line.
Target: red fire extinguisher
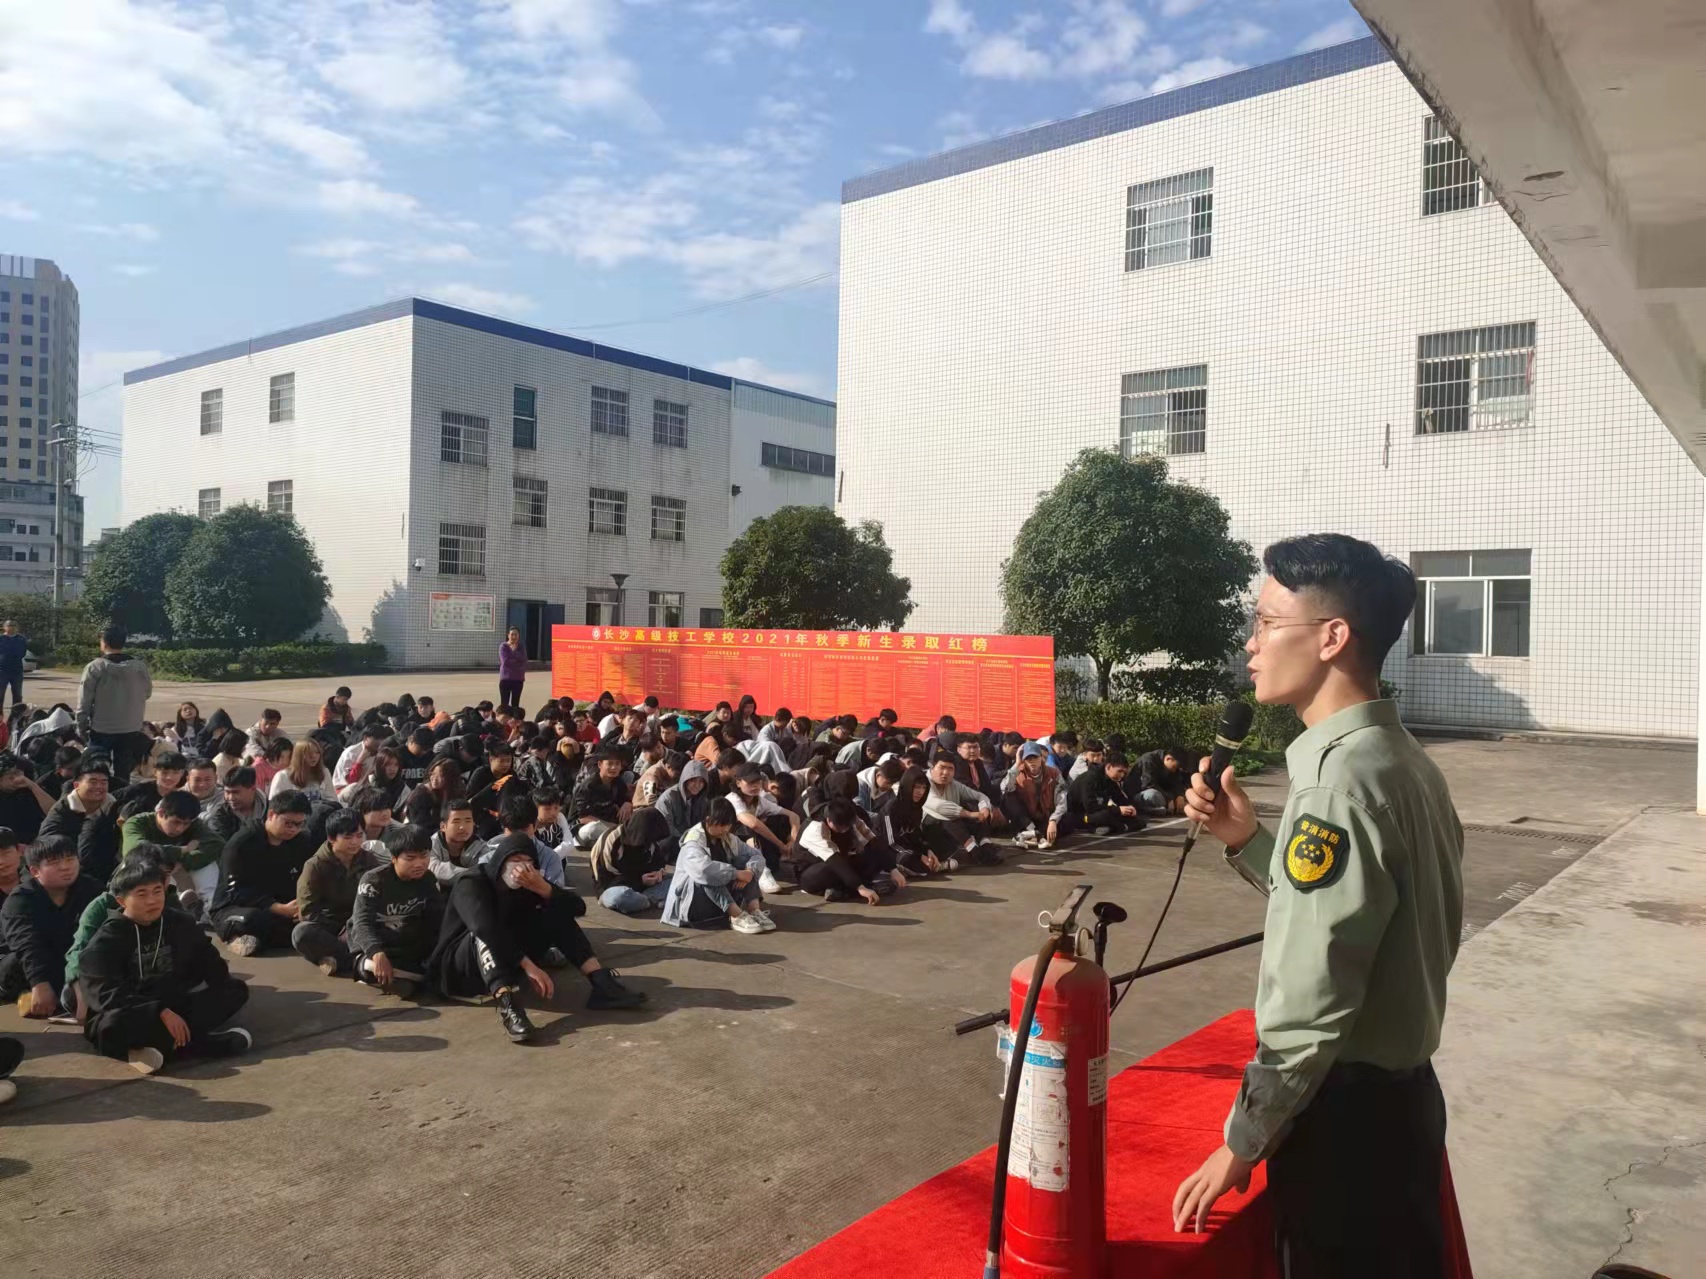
1051	1170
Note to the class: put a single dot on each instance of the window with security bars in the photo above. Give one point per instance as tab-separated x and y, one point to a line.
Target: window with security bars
1164	411
213	411
607	512
463	438
462	550
669	519
664	608
782	458
1169	220
207	503
525	422
669	423
1471	603
281	398
1475	379
529	501
1449	177
281	496
609	411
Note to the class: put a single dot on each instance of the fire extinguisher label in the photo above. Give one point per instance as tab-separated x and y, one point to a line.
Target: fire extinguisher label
1099	1080
1039	1153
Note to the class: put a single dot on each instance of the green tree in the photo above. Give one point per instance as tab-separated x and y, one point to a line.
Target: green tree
248	576
804	567
126	581
1118	562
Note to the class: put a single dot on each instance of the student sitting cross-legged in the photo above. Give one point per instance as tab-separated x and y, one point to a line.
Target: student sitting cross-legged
501	923
40	921
255	905
717	877
631	863
399	909
176	819
154	985
850	861
325	893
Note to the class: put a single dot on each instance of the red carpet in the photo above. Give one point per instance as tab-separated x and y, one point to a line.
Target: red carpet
1164	1118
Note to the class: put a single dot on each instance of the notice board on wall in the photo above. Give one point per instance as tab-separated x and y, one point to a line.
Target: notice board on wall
994	681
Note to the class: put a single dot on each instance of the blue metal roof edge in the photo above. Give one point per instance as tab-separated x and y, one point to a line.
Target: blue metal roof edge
428	310
1302	68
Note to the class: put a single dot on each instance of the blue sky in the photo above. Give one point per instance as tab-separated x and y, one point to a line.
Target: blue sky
207	172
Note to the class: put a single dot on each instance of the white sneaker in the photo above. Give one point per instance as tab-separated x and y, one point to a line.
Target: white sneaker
763	917
1026	838
244	946
745	923
145	1061
952	864
8	1090
767	883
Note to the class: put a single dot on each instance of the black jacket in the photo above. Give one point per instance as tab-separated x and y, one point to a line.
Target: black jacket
401	917
482	904
595	797
143	797
96	835
129	966
39	932
1152	774
255	872
1092	791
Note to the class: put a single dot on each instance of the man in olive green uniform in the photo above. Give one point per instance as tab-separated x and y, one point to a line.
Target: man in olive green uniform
1365	903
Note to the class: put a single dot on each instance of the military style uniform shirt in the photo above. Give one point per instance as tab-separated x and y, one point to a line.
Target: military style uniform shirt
1365	905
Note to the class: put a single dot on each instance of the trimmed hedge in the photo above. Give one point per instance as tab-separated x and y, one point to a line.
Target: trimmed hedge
276	661
1149	726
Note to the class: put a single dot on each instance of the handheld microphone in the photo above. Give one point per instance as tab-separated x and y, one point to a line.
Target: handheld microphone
1228	737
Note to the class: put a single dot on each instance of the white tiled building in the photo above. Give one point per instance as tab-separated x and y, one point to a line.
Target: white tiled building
459	474
1290	282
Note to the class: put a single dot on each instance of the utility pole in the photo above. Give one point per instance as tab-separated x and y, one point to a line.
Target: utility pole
56	441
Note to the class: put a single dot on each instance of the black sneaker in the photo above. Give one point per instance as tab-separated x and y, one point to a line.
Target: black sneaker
554	958
516	1025
608	992
11	1053
225	1043
987	855
883	886
837	894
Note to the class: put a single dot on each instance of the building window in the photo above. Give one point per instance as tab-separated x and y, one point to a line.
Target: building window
281	496
1475	379
1169	220
462	437
207	503
1164	411
281	398
526	419
25	441
603	606
1449	179
710	617
529	501
669	424
213	411
669	519
462	550
663	608
782	458
609	411
1471	603
607	512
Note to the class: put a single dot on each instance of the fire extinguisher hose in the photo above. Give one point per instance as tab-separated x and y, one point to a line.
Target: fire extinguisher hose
1010	1106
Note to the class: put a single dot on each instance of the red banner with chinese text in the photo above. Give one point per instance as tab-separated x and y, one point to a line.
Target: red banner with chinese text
983	681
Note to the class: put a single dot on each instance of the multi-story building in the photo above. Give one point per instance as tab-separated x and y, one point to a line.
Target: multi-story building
1292	283
38	395
459	474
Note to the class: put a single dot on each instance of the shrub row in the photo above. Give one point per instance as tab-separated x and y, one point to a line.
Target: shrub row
1190	727
275	661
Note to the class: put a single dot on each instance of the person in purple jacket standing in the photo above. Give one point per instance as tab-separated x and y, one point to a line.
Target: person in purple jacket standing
512	669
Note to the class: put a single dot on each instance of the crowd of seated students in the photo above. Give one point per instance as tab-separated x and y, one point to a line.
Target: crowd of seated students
414	849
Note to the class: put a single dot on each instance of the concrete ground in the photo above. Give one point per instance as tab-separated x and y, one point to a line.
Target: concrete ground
778	1087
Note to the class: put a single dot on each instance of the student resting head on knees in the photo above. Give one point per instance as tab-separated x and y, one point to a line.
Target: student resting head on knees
850	861
630	863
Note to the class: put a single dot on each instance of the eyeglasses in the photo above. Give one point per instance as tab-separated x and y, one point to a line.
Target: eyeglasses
1260	625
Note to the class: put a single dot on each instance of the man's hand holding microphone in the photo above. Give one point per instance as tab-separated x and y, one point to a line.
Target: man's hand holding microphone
1230	816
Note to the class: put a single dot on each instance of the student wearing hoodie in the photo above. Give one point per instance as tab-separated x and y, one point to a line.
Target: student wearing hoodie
899	823
112	700
501	924
399	909
851	862
717	877
154	985
40	922
631	863
255	905
957	819
169	769
683	805
1034	795
268	729
177	821
325	893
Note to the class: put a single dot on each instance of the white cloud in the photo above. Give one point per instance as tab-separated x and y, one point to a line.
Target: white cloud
896	150
1101	38
608	85
1006	57
593	220
786	36
134	270
476	298
138	231
355	196
1095	38
1194	71
16	211
950	18
586	24
1241	34
725	265
961	129
1345	29
749	369
356	257
396	58
1179	8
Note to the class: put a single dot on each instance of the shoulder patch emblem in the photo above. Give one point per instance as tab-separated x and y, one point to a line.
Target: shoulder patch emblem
1315	853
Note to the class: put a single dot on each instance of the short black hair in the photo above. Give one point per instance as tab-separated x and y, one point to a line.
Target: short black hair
422	737
271	712
378	729
113	636
500	748
408	839
94	762
749	773
1353	580
342	690
195	763
1116	760
720	813
1065	736
946	723
291	802
50	849
888	712
460	804
543	795
142	865
343	822
180	804
242	775
66	756
840	813
369	800
1093	744
8	837
891	769
783	715
516	810
233	742
172	761
730	758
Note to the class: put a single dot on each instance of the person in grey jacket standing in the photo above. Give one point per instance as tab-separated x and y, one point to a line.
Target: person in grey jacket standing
113	697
